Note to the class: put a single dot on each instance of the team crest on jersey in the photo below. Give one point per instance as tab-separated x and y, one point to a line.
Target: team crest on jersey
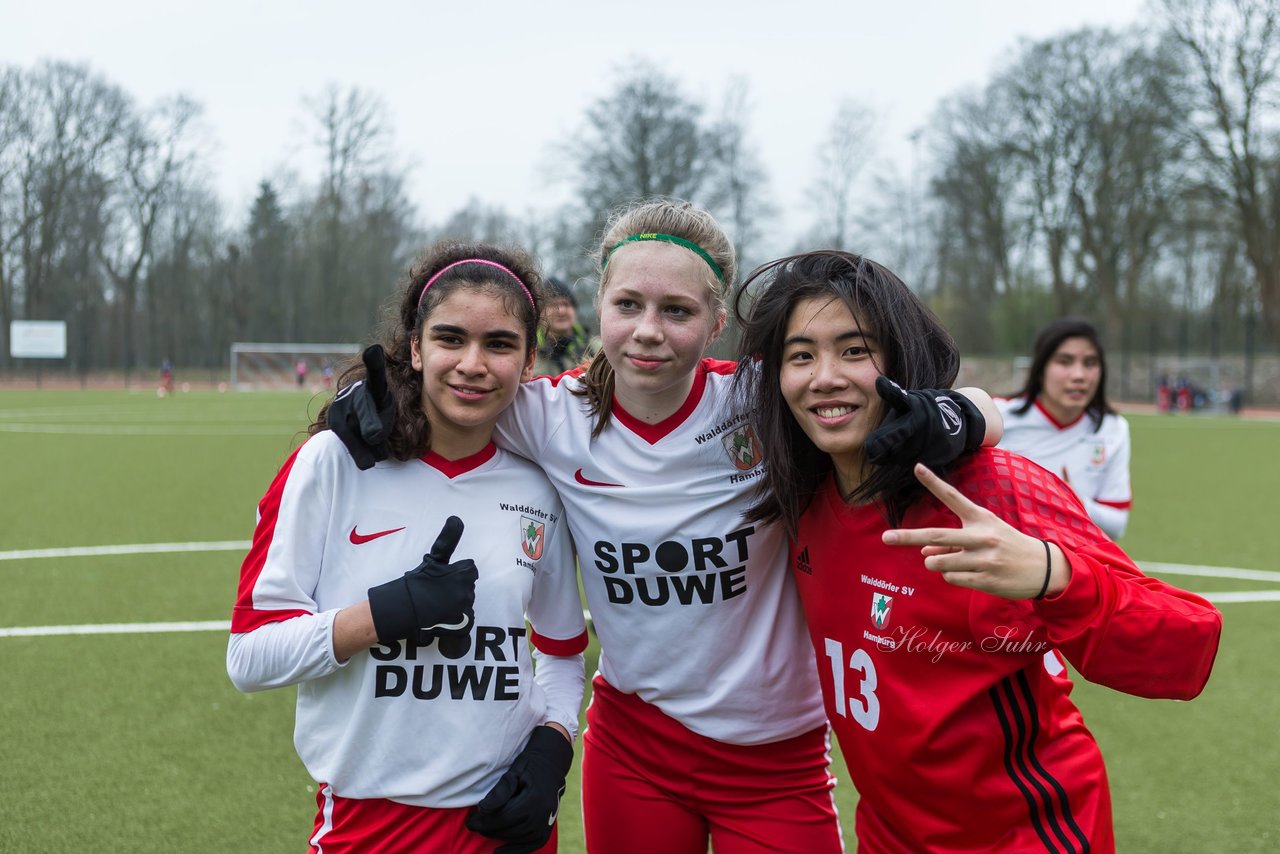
881	605
1099	454
531	537
743	448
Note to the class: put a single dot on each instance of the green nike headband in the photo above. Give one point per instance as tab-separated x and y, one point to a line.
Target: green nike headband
669	238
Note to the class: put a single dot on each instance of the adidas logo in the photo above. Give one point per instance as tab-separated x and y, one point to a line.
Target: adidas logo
802	562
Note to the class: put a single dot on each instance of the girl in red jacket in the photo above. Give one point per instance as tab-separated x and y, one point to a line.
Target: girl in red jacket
942	607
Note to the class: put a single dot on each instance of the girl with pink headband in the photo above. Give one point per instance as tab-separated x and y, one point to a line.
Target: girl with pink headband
706	723
420	713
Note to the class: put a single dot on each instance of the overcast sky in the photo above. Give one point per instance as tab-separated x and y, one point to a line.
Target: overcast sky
478	92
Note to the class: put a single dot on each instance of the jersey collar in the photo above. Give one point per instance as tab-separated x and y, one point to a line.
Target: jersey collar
453	468
1055	422
652	433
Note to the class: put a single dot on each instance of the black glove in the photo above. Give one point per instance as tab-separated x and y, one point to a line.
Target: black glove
521	807
434	599
364	413
930	426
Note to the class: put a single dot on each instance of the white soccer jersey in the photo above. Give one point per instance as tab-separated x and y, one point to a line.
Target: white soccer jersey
413	723
694	607
1096	462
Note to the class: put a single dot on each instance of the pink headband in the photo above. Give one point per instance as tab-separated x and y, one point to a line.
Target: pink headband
494	264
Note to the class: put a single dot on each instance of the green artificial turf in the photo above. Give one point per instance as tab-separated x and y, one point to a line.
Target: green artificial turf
138	743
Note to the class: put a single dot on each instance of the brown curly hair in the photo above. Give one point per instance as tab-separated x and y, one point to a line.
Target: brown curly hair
404	319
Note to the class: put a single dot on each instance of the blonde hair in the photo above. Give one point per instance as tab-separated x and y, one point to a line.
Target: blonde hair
674	217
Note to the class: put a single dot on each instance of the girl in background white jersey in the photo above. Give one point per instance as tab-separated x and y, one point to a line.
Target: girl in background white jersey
706	721
1061	420
419	713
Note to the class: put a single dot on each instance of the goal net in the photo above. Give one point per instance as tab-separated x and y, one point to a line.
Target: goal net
312	367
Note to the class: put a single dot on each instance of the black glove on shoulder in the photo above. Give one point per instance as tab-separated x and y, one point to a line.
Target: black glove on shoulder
521	807
435	598
364	413
930	426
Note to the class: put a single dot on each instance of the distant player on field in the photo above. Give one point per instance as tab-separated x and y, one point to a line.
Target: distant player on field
419	712
1061	420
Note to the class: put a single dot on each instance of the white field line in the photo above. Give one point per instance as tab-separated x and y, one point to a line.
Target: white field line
1150	567
90	415
115	629
1232	596
145	430
1157	569
132	549
225	625
1244	596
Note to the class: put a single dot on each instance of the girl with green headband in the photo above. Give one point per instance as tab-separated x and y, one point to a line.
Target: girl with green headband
706	723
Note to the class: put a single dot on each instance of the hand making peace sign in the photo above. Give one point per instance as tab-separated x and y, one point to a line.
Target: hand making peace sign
985	553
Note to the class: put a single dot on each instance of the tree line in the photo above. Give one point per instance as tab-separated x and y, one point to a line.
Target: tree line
1132	176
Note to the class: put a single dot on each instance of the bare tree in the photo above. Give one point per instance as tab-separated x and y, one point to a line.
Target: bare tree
13	121
1045	138
351	234
1127	172
352	132
842	157
151	159
75	116
480	222
975	187
642	139
186	314
737	183
1232	48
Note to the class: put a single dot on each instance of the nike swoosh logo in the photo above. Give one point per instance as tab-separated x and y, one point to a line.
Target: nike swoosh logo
555	812
361	539
448	627
588	482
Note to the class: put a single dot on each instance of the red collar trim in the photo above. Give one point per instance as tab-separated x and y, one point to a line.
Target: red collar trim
1055	422
453	468
652	433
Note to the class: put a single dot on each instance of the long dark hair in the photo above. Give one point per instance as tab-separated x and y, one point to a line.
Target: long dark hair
916	352
404	322
1047	343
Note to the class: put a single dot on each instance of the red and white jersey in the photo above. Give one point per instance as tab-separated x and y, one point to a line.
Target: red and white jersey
951	706
1095	462
418	724
693	605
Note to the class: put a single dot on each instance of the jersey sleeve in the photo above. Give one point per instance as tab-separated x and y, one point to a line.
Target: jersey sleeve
283	653
1109	505
278	637
527	426
1118	627
559	630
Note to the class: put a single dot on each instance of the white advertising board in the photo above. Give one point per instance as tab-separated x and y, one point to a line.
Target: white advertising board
38	339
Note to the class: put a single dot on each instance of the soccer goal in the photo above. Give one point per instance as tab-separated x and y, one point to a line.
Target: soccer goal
312	367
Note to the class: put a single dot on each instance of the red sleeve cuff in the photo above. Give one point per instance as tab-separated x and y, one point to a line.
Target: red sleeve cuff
551	646
1127	504
247	619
